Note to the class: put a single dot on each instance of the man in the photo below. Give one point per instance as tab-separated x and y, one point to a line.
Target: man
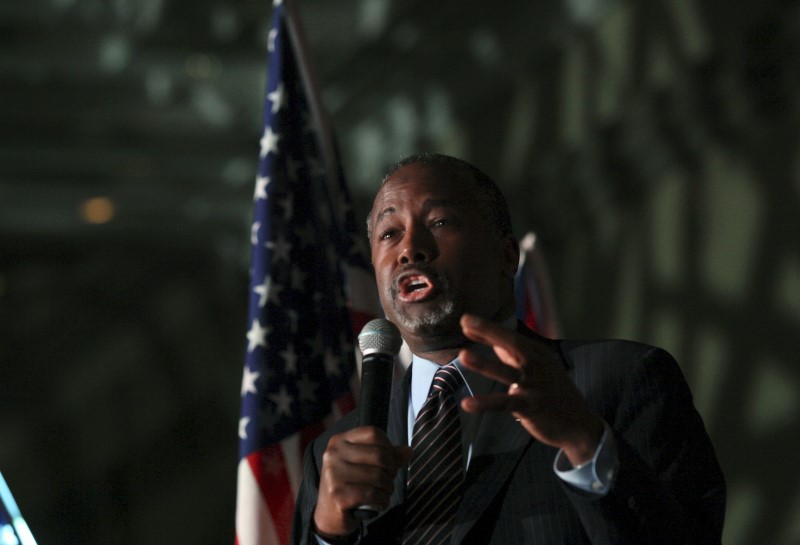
561	441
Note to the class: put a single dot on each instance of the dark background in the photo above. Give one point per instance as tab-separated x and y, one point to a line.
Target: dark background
651	145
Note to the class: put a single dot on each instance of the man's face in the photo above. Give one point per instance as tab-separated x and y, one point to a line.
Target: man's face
435	254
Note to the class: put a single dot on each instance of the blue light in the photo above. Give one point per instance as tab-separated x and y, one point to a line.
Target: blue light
19	533
7	535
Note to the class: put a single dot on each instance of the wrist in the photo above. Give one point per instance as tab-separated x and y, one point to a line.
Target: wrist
582	449
341	535
349	539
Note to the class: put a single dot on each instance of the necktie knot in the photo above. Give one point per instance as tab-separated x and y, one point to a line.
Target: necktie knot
447	379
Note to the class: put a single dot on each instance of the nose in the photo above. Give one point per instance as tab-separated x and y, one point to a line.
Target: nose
418	246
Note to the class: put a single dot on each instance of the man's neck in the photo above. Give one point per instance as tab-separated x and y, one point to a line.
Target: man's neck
441	349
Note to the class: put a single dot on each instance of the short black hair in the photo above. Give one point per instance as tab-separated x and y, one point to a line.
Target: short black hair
497	211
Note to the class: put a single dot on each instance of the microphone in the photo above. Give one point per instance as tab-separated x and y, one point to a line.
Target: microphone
380	343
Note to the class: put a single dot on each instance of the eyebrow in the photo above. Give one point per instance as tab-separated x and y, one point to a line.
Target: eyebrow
427	205
383	213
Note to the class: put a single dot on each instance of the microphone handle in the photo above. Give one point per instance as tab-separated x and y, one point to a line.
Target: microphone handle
376	386
373	405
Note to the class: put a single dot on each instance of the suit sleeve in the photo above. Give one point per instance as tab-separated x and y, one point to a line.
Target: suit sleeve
306	501
669	487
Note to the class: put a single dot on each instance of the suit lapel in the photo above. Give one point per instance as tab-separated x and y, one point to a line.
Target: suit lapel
398	432
500	444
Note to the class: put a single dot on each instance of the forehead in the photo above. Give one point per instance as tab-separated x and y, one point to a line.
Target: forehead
417	183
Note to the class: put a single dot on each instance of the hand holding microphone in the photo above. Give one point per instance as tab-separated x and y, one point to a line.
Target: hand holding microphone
348	475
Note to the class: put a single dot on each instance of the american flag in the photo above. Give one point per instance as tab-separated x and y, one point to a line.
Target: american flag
305	248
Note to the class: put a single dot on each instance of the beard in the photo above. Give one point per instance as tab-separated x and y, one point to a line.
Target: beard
440	317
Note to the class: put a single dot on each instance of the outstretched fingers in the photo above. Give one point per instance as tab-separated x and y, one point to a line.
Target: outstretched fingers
495	402
503	341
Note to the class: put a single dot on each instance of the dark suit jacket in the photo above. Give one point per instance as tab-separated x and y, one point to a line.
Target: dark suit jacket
668	489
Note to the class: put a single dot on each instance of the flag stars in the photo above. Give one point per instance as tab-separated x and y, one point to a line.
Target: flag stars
280	248
277	97
290	360
263	290
257	336
273	33
269	142
249	381
282	401
274	294
331	363
288	206
261	187
243	422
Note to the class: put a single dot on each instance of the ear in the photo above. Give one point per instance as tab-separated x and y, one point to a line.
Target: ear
510	255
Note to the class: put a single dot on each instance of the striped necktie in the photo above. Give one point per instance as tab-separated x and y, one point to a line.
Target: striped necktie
436	470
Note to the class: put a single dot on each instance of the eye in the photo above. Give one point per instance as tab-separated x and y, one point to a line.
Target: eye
439	222
387	234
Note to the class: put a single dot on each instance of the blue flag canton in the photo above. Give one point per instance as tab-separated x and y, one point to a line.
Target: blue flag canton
300	353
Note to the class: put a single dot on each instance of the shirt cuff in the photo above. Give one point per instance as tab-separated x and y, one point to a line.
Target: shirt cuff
597	475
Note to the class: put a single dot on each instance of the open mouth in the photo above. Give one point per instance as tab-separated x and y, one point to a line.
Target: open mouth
415	287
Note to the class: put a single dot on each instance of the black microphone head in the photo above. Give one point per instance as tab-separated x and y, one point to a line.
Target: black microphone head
380	336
